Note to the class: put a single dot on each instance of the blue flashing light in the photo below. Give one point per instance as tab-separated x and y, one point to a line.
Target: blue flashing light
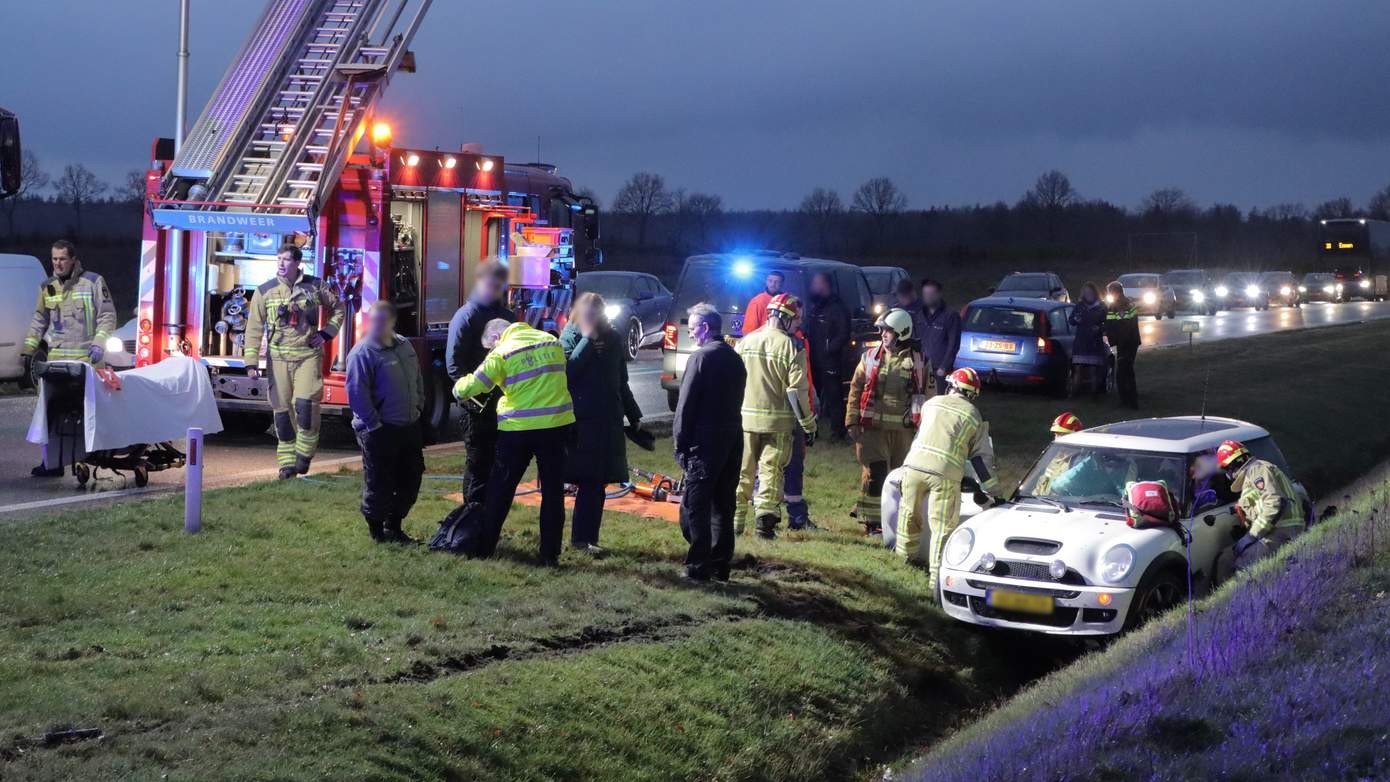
743	267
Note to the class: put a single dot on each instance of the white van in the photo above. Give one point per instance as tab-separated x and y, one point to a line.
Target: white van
20	276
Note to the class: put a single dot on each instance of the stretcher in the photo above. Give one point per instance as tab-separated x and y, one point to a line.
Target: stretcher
127	422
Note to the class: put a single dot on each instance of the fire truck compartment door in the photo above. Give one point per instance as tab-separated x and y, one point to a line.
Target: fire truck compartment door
442	257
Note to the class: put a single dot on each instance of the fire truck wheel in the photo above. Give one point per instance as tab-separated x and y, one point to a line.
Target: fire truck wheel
437	401
633	338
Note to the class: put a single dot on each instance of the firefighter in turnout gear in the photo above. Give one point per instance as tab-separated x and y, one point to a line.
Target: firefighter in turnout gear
776	402
952	435
286	311
887	383
1062	425
1268	504
74	315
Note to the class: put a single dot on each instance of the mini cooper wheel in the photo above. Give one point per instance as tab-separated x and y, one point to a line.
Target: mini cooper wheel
1158	591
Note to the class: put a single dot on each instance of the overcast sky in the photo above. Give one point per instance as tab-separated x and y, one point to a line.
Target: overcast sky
1247	101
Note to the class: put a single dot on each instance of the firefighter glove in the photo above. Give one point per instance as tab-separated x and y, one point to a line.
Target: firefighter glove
810	439
95	352
319	337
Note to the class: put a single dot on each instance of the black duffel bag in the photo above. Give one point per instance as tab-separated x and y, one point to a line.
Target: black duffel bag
461	532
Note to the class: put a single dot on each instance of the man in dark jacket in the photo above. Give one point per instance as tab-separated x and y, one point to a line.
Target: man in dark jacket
1122	332
463	355
827	328
386	395
708	432
940	334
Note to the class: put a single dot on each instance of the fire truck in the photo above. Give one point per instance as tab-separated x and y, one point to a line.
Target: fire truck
290	149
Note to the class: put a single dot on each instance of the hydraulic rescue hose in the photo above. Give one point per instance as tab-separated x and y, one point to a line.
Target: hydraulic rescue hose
623	490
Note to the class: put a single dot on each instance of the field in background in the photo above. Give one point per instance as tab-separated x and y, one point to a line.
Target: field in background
280	644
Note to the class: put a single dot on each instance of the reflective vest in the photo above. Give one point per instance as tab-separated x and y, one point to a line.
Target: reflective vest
776	371
288	314
881	391
71	316
529	366
1267	498
952	433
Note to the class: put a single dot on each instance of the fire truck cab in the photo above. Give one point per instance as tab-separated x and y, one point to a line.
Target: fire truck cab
289	150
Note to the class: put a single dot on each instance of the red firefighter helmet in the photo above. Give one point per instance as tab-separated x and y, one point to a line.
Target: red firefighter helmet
784	304
966	381
1230	454
1066	423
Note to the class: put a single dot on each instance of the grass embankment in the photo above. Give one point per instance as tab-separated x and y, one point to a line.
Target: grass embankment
280	644
1282	676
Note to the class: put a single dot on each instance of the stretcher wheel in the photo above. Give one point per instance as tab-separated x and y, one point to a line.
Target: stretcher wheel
142	476
82	472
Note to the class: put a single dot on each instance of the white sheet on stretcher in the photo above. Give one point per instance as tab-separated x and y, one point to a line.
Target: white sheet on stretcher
156	403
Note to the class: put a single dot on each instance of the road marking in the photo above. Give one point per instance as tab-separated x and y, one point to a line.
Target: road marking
100	495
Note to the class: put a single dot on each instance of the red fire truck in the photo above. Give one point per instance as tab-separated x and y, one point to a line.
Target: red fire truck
289	150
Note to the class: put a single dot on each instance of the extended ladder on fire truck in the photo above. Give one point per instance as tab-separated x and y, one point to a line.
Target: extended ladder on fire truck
278	131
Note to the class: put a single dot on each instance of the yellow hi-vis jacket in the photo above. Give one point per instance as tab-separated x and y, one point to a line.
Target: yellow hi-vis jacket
529	366
287	312
71	315
776	370
952	433
1268	498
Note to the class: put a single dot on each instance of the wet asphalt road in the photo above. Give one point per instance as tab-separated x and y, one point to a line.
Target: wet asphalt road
232	459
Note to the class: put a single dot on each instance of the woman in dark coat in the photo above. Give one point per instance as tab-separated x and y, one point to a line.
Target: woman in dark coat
597	370
1088	351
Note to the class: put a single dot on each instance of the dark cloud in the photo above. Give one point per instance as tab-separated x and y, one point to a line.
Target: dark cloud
1252	101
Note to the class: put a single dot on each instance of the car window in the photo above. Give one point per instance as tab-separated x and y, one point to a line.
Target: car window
1087	475
882	283
1001	319
1264	448
725	289
1139	280
1183	279
609	286
1208	487
646	285
853	290
1057	321
1025	282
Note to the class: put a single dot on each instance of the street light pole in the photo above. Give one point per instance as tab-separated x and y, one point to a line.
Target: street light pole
174	307
181	101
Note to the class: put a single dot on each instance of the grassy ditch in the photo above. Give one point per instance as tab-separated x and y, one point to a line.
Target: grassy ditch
279	644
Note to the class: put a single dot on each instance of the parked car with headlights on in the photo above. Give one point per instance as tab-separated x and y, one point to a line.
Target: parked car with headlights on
1194	289
635	303
1060	557
1282	288
1241	289
883	285
1017	341
1150	295
1321	286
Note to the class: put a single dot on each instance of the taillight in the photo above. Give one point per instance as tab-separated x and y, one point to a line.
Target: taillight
669	333
1044	345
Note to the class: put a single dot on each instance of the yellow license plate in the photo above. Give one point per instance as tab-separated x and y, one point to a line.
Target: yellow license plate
1021	602
999	345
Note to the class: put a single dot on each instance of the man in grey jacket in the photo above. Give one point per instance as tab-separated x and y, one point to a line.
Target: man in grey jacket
386	395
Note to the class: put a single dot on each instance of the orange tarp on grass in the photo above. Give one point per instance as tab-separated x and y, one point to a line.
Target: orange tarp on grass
628	503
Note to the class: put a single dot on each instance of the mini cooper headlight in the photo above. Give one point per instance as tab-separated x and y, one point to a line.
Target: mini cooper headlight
958	547
1058	570
1116	563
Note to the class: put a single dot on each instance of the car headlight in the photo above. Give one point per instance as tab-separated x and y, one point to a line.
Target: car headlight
1198	296
612	311
1252	291
1116	563
1303	289
1339	287
1057	569
878	308
1365	283
1149	297
1109	299
1222	291
958	546
1285	290
1328	289
114	345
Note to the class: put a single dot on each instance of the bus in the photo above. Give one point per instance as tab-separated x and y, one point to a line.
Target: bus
1357	251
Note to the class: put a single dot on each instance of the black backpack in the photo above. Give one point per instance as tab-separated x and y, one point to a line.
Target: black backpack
461	532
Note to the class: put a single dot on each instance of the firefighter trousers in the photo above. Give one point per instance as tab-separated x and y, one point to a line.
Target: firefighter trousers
940	499
765	456
879	451
296	394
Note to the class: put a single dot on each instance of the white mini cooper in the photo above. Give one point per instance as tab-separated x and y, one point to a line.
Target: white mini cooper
1060	558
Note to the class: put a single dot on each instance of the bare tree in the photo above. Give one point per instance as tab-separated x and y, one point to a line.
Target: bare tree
132	190
32	179
1379	206
1287	212
76	187
1169	202
694	213
588	192
1337	207
644	196
1051	194
881	200
823	207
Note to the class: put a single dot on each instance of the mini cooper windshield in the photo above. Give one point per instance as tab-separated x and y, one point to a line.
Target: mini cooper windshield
1084	475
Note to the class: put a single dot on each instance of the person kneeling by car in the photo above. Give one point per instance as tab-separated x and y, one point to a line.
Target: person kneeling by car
1268	504
386	395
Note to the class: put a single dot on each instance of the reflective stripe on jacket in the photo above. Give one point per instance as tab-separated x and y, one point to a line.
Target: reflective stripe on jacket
890	403
71	315
287	312
1268	498
776	370
951	433
529	366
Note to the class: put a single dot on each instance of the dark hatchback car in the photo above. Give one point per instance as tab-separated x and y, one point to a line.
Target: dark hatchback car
636	305
883	284
1018	341
728	280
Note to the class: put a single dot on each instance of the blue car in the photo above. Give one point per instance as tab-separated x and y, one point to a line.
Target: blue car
1018	341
